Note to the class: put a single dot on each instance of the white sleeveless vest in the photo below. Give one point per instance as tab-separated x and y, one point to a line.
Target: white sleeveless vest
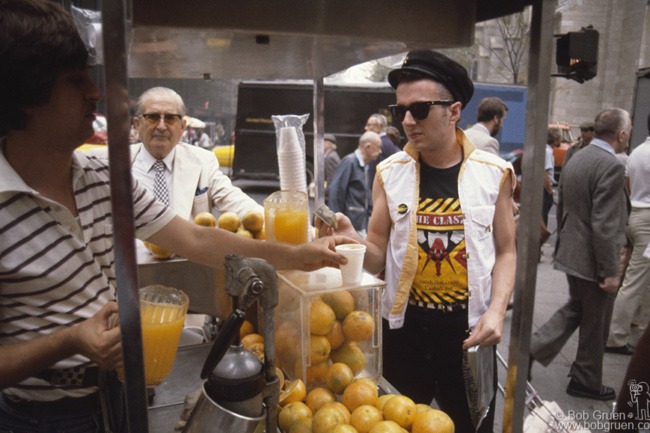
479	181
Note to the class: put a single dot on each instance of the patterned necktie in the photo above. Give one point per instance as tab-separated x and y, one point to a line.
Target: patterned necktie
159	185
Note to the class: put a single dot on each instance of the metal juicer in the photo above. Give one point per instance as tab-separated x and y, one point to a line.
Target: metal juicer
240	393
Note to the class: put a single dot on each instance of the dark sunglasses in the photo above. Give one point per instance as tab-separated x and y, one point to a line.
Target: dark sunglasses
419	110
153	119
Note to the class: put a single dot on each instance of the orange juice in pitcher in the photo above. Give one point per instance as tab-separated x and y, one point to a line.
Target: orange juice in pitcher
162	316
286	215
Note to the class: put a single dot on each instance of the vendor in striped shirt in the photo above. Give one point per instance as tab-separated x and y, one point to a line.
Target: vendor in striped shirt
57	276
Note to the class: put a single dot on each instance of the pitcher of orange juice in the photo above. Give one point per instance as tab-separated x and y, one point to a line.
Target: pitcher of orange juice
286	217
162	316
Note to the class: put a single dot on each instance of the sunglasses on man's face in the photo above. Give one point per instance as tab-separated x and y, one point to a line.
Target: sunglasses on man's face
419	110
153	119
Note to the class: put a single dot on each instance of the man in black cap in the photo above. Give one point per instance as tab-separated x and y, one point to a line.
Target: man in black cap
331	159
586	135
442	230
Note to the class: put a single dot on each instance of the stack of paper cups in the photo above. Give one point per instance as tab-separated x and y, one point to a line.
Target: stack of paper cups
291	161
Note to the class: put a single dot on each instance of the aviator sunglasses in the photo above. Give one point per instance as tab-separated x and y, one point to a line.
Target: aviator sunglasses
153	119
419	110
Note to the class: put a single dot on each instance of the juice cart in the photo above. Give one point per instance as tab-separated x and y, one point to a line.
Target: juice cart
291	39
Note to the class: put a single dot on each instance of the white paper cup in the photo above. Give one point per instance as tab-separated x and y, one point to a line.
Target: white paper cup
351	272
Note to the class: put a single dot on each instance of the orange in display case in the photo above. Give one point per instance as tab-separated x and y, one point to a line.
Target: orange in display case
319	322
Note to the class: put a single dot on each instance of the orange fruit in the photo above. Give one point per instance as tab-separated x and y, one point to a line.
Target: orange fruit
350	354
261	235
381	401
365	417
338	377
251	339
344	410
294	391
258	350
320	349
253	221
342	303
291	413
336	336
400	409
432	421
387	426
343	428
321	318
421	407
316	374
229	221
358	326
303	425
326	418
158	252
245	233
358	394
319	397
246	328
205	219
280	374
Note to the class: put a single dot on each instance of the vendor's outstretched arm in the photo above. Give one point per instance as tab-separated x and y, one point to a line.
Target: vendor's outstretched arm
210	246
379	227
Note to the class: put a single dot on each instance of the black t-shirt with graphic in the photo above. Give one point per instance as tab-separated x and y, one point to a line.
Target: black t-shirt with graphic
441	276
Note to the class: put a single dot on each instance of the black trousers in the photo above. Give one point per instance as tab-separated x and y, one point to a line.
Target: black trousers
423	360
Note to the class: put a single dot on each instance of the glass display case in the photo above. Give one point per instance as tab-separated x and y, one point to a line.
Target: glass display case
318	322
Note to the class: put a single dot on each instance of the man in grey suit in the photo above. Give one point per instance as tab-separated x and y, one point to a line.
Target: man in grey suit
490	116
591	215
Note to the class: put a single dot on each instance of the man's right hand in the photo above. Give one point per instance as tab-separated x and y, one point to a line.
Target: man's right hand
95	340
345	227
610	284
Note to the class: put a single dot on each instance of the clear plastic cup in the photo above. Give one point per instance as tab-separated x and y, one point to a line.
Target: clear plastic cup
352	271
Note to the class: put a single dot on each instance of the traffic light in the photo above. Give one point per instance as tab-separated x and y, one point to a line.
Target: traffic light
577	55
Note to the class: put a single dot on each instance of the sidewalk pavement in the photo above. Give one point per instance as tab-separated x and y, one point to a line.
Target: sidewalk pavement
551	382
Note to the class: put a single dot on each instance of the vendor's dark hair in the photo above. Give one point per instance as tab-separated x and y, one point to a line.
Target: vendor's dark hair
38	41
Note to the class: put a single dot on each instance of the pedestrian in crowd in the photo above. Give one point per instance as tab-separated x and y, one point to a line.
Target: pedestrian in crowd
394	135
202	139
591	215
553	139
490	116
189	179
378	123
586	135
635	290
351	189
57	275
332	158
442	230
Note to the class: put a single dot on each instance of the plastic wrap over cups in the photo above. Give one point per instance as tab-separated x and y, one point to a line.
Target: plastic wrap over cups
290	141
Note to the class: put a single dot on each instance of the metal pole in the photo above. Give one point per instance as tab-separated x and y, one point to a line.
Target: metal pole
539	76
114	19
319	130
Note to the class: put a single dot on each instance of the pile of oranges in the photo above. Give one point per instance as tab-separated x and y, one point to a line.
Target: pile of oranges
337	333
251	226
334	399
359	409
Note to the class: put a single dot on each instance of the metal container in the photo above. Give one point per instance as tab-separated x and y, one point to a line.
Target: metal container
210	416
